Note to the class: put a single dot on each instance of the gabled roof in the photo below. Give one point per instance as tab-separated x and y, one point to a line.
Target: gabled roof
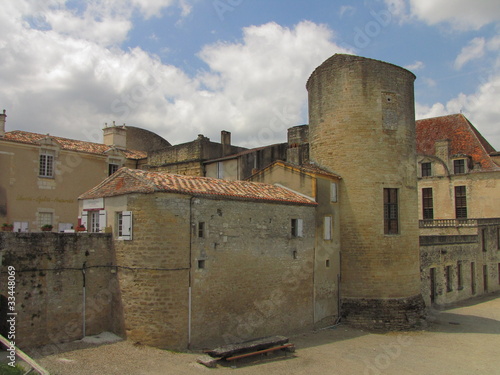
20	136
307	168
126	181
244	152
463	136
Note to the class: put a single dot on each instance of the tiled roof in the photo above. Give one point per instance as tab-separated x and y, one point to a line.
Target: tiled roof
464	139
68	144
306	168
127	180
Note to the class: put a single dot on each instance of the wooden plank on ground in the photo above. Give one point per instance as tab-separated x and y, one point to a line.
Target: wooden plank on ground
248	346
260	352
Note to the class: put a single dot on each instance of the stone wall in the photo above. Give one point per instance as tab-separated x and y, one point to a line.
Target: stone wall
255	279
50	272
458	264
362	126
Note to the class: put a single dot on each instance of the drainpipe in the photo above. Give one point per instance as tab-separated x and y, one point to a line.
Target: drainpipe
83	304
190	268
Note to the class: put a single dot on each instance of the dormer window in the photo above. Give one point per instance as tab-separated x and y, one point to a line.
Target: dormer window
459	166
113	165
426	169
46	168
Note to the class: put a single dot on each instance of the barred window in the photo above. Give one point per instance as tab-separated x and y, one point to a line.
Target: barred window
460	202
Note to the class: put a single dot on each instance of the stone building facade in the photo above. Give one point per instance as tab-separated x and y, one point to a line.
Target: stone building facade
42	175
206	261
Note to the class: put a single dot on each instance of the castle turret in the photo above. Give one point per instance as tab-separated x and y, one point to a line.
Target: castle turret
362	126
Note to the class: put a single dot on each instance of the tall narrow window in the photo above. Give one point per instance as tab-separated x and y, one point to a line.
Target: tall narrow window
459	166
473	277
427	203
124	225
201	229
220	169
426	169
460	202
333	192
460	276
46	168
449	280
483	239
327	228
485	277
296	227
391	211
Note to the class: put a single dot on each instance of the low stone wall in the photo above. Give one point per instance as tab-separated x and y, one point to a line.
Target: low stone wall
391	314
53	272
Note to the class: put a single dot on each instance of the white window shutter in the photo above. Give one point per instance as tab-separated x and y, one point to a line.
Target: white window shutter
102	220
85	220
300	228
327	228
126	225
333	192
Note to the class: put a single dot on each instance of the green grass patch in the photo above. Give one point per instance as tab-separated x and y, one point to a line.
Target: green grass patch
5	369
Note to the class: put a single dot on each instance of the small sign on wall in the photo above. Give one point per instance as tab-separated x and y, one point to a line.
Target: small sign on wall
93	204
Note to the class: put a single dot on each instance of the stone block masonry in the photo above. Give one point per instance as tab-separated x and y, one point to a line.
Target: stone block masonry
51	271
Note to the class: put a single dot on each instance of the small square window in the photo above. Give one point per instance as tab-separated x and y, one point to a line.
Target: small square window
459	166
201	264
426	169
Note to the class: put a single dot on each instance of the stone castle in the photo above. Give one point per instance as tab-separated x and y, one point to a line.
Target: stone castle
239	244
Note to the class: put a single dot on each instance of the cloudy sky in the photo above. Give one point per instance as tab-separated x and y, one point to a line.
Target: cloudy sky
187	67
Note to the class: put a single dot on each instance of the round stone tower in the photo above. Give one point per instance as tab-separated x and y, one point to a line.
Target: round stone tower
362	126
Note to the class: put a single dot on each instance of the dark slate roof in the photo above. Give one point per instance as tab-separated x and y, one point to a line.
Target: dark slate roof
463	136
126	181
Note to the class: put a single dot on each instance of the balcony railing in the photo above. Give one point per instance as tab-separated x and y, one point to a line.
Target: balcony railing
447	223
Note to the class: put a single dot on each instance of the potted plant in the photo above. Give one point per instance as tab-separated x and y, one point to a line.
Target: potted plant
47	228
80	228
6	227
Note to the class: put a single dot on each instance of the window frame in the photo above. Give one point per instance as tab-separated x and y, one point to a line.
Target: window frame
46	162
427	170
427	204
327	228
391	211
296	228
459	166
460	202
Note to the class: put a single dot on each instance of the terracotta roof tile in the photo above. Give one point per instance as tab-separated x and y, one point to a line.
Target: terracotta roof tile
464	139
69	144
127	180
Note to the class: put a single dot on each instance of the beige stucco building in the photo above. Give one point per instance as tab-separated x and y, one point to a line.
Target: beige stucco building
41	175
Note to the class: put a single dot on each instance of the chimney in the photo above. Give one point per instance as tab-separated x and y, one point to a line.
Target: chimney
3	116
442	150
115	136
225	140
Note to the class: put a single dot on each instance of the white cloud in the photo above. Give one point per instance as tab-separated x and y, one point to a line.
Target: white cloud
472	51
458	14
481	108
347	9
417	65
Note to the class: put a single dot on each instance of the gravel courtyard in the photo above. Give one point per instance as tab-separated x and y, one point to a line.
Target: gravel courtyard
464	339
